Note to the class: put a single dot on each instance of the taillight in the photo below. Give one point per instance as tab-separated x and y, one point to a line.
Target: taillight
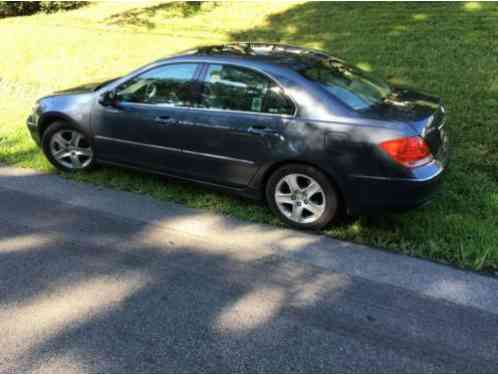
409	151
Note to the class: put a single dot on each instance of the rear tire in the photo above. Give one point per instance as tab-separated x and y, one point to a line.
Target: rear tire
302	196
68	148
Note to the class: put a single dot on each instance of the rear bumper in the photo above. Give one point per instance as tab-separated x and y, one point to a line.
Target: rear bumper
371	194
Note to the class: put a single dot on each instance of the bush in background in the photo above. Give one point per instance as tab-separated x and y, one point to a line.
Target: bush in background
54	6
18	8
24	8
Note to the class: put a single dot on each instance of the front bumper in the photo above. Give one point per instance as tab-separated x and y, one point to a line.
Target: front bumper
32	123
371	194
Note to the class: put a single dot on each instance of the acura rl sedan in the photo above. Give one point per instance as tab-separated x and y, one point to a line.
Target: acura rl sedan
308	133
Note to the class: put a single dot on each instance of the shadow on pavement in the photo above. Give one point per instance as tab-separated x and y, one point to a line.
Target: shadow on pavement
82	291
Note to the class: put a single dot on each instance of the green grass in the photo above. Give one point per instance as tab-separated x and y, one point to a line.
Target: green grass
450	49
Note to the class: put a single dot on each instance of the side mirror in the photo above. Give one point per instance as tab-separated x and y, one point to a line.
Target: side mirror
108	98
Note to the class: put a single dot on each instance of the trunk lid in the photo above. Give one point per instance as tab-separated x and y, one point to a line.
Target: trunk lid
423	112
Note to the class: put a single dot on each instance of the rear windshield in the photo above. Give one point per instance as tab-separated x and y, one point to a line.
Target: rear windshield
352	86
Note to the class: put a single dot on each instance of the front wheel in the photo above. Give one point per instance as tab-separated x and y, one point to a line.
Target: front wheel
302	196
67	148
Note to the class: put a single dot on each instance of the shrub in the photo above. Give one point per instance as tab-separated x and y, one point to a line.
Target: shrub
54	6
24	8
18	8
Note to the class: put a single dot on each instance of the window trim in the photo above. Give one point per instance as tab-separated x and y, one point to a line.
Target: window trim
199	77
203	74
195	78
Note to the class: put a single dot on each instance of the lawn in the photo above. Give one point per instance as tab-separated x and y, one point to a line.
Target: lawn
450	49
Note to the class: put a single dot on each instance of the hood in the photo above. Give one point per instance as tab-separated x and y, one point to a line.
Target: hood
83	89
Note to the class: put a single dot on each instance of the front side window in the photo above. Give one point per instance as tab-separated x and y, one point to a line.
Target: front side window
170	85
232	88
350	85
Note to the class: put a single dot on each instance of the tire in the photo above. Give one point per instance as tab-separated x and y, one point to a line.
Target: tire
302	206
68	148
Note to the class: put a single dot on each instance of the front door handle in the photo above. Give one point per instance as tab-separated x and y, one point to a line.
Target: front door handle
165	120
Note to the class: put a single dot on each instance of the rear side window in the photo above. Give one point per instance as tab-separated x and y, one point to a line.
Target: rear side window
167	85
228	87
352	86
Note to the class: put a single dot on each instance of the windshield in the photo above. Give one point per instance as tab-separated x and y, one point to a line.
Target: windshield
350	85
102	84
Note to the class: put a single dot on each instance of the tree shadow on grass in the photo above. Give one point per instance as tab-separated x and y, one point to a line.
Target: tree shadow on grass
376	35
144	16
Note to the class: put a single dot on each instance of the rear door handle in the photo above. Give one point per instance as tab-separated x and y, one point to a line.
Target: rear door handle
261	130
165	120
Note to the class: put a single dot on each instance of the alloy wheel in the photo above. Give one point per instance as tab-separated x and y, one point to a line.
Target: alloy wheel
71	149
300	198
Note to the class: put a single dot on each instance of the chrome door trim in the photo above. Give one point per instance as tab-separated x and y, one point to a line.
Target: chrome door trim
218	157
186	108
137	143
174	149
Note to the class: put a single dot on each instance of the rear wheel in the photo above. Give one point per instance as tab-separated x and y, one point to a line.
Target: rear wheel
67	147
302	196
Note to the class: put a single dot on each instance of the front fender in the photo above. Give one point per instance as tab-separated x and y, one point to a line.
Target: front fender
74	109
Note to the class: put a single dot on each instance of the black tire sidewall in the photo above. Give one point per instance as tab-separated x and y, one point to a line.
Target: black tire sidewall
331	196
47	136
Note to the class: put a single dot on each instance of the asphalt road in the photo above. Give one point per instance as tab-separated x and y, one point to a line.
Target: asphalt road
83	290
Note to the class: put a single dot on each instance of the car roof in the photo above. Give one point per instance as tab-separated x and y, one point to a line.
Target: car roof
293	57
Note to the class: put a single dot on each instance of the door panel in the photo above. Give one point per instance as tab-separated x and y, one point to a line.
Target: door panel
142	135
239	125
229	147
141	127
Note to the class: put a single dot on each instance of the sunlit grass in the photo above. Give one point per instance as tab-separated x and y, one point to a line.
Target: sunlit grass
472	6
450	49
